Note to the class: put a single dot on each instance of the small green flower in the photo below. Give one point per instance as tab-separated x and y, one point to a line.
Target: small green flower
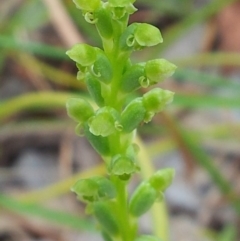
147	35
101	68
133	115
127	39
158	69
99	143
123	166
140	35
106	189
155	100
104	122
142	199
105	217
79	109
83	54
104	23
120	8
162	179
133	78
91	59
94	88
94	188
86	189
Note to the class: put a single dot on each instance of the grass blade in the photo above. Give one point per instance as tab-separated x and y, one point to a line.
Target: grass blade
56	217
9	43
206	101
200	156
33	101
210	59
206	79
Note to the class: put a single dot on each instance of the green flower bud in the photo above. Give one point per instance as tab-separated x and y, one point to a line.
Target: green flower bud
99	143
104	23
94	88
158	69
140	35
162	179
133	78
87	5
104	122
147	35
105	217
156	99
83	54
142	199
147	238
133	115
123	167
79	109
102	68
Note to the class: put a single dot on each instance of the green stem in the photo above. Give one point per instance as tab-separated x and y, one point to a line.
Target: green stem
127	229
159	211
114	142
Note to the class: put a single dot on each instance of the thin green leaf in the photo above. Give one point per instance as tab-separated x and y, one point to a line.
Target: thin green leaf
33	101
203	159
51	73
56	217
159	210
206	79
210	59
61	187
206	101
8	42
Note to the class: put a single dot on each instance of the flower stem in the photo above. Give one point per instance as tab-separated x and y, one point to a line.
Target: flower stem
127	228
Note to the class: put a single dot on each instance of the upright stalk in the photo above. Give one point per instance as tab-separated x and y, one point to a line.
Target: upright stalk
111	78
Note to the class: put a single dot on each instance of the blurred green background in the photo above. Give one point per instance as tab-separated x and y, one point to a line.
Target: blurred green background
198	134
